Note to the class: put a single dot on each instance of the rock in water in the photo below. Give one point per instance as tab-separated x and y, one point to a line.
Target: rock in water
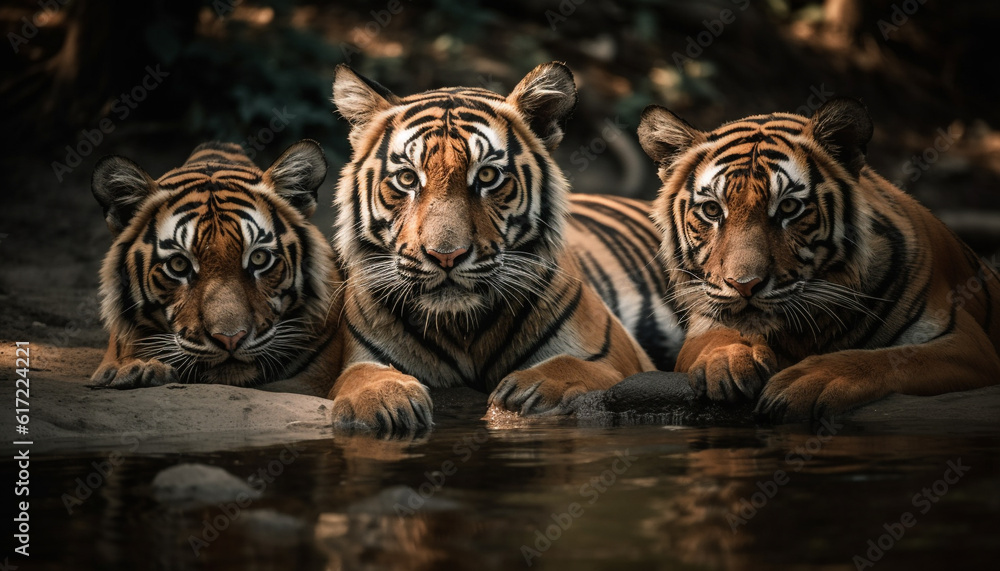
658	397
190	485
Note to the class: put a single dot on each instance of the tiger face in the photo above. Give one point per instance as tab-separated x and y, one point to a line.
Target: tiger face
451	216
810	281
452	199
215	275
757	221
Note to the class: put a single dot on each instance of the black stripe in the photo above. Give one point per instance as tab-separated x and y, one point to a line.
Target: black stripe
550	331
379	354
603	352
605	286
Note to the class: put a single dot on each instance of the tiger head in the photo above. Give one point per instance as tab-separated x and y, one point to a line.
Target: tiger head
451	201
760	216
214	269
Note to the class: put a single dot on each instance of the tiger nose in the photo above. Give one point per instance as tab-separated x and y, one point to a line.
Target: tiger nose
447	259
746	286
230	342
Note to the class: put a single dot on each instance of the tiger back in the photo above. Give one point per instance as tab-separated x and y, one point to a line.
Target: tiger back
215	274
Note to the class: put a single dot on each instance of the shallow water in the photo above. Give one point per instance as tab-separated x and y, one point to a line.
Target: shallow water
468	496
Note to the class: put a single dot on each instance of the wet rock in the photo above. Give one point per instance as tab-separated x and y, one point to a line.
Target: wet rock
403	500
273	527
191	485
659	398
666	398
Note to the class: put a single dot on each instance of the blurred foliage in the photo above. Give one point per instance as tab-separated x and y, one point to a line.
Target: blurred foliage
235	86
235	63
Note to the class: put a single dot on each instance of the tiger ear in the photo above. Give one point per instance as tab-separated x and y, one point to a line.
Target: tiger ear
664	135
359	99
844	128
297	174
546	97
120	186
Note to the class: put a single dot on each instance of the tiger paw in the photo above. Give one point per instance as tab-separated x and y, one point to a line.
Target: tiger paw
817	387
734	372
133	374
388	403
530	392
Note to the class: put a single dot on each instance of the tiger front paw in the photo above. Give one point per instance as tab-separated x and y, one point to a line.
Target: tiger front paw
530	392
734	372
387	402
817	387
133	374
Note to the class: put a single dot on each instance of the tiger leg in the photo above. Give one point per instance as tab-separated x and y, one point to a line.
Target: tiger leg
725	365
378	397
120	369
822	385
550	386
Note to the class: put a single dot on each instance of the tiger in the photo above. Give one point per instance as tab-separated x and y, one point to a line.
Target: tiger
615	244
452	226
215	274
806	280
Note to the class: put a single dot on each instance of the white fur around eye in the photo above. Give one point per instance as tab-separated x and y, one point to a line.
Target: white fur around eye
178	266
494	176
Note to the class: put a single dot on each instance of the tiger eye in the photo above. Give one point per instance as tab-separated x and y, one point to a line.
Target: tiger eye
407	178
487	175
179	264
260	257
712	209
789	206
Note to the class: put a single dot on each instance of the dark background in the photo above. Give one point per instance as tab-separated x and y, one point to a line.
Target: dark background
922	68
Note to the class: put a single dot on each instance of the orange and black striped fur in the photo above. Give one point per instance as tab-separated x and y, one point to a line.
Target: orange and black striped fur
452	224
215	274
790	257
615	244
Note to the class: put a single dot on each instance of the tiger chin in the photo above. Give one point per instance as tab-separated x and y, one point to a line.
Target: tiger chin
215	274
452	218
806	278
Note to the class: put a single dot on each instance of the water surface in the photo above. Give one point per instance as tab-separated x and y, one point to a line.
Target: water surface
553	495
